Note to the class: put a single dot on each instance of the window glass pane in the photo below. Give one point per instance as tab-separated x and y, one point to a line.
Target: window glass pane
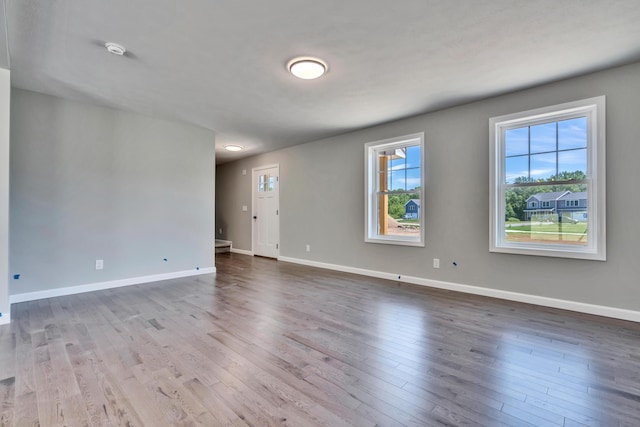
397	163
543	138
382	181
394	208
397	180
533	212
572	161
559	218
413	179
383	166
262	183
572	133
413	156
271	181
543	166
517	169
404	180
516	141
402	213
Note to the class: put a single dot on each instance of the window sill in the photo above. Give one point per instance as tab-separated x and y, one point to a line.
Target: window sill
394	241
559	251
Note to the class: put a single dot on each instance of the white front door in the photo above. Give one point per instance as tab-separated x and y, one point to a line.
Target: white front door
266	205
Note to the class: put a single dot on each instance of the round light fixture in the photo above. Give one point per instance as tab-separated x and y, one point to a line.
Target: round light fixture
307	68
231	147
115	48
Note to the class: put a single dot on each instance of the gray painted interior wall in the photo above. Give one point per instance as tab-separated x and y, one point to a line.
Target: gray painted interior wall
5	108
90	183
322	199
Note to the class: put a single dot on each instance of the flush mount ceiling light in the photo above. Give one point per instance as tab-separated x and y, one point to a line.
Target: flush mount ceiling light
231	147
307	68
115	48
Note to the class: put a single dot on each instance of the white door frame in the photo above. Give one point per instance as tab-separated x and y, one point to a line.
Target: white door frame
253	205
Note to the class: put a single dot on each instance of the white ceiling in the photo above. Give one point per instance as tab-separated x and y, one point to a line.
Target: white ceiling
220	64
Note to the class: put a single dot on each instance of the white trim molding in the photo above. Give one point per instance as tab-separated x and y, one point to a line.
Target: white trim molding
71	290
5	319
592	110
598	310
241	251
373	151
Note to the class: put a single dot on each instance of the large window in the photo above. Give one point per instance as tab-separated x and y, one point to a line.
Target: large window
394	180
548	181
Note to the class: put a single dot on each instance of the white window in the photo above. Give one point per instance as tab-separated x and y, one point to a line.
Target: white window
559	150
394	175
572	203
546	204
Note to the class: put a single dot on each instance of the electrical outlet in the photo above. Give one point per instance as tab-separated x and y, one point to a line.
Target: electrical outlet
308	248
244	208
220	231
99	264
436	263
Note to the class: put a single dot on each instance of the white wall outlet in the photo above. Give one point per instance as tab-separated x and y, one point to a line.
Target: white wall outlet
436	263
244	171
220	230
308	248
244	208
99	264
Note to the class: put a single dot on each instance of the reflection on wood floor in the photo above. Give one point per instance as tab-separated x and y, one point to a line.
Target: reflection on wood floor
271	343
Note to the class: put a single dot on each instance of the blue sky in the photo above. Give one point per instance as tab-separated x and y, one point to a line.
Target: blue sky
405	173
536	157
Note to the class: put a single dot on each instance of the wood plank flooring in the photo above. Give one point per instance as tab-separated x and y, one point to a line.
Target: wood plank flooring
267	343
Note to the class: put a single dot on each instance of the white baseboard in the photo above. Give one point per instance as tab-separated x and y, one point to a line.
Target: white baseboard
5	319
50	293
599	310
241	251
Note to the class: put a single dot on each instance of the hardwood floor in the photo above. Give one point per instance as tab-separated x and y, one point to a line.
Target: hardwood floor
270	343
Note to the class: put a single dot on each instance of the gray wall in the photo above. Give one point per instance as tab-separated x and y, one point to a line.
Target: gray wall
322	199
91	183
5	103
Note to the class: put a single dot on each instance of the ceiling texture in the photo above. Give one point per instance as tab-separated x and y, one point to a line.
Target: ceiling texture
221	64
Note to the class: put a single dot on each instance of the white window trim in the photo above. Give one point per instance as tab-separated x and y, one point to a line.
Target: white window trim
370	200
594	108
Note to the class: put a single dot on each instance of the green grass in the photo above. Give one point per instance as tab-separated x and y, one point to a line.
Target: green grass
548	233
580	227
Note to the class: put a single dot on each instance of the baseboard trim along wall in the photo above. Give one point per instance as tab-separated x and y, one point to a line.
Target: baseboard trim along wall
58	292
599	310
5	319
241	251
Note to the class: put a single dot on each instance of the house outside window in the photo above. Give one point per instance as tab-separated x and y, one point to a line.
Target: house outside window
548	181
394	190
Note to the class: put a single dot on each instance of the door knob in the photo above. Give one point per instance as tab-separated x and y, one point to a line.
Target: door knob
255	217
